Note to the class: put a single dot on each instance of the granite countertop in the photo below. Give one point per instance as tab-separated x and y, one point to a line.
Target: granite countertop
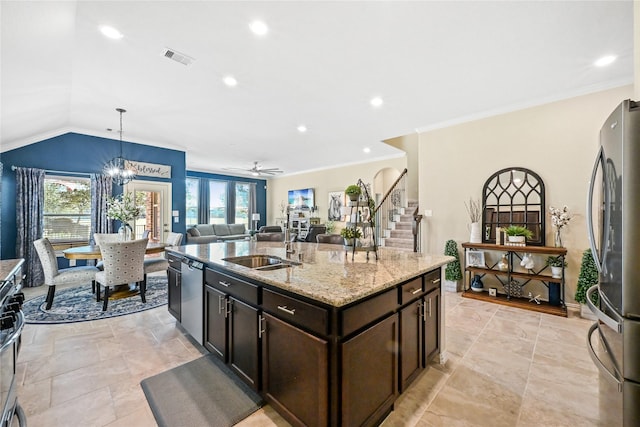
326	274
8	267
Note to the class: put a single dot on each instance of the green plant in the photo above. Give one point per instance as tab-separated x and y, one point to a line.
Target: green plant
453	271
351	233
587	278
518	230
353	189
330	226
556	261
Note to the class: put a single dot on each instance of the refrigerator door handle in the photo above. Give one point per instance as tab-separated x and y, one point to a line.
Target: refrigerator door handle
609	321
591	234
596	360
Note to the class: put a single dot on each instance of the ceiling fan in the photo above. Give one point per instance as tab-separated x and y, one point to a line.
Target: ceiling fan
258	170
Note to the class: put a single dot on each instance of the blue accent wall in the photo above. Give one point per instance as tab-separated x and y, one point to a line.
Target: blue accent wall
85	154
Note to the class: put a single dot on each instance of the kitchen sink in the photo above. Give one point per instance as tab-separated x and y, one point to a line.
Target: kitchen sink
261	262
254	261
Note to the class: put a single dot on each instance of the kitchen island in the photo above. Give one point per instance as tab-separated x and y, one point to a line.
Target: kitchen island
326	340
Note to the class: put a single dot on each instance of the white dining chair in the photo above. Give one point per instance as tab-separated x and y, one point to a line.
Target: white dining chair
160	263
123	264
65	276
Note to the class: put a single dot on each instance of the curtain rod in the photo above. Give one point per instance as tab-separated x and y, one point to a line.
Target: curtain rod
14	167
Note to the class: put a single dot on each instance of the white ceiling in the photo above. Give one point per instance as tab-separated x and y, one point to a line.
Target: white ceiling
433	63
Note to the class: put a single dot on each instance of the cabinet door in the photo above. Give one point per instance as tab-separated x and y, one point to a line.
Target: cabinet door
243	342
432	340
173	292
294	373
370	373
411	342
215	331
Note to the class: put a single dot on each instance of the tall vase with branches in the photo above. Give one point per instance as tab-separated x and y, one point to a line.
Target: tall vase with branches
474	209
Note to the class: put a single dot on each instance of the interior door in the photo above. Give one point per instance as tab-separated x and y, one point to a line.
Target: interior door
156	199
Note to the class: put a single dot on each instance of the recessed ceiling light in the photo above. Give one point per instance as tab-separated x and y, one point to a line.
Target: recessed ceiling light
605	60
376	101
366	149
111	32
302	128
259	28
230	81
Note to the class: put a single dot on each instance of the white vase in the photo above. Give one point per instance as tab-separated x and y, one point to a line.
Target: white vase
476	233
516	239
556	272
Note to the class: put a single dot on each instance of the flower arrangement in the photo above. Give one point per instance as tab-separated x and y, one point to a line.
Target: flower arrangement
559	218
351	233
123	208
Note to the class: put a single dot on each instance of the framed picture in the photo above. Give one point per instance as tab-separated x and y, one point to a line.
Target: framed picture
475	259
336	203
301	199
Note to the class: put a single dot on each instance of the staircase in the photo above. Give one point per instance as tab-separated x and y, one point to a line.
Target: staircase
398	235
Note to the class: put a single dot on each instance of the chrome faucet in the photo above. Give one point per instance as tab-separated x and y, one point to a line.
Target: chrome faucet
288	245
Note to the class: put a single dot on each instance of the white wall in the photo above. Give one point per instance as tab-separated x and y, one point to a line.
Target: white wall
325	181
558	141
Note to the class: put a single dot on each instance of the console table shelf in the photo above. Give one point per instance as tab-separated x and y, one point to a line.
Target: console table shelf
513	274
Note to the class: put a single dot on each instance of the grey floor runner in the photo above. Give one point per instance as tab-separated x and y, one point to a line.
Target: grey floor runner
202	392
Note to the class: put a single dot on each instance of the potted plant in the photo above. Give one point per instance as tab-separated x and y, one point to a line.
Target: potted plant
452	272
587	278
556	263
350	234
518	233
353	192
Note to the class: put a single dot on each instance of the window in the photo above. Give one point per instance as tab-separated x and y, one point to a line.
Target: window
217	202
192	201
67	209
242	204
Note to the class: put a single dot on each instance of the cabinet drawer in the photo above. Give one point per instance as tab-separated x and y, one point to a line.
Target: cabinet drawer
295	311
432	280
411	290
174	261
359	315
240	289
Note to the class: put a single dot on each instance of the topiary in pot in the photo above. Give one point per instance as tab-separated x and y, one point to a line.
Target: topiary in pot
353	192
452	271
587	278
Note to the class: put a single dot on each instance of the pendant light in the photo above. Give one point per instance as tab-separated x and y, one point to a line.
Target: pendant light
117	168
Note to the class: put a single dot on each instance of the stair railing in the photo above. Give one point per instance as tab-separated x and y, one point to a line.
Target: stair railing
391	204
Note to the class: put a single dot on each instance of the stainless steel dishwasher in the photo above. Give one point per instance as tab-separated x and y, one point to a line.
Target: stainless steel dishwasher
192	298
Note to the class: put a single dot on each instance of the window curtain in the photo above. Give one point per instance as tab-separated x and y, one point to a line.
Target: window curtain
101	190
203	201
30	221
253	204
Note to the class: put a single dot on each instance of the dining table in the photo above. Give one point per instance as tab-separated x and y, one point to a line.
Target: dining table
93	251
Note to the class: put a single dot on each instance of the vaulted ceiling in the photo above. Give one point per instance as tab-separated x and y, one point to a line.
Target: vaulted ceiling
319	65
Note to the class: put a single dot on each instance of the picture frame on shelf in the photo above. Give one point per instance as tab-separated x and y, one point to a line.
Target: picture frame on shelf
475	259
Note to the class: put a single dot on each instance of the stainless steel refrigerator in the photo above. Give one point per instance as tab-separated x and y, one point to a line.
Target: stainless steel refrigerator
613	219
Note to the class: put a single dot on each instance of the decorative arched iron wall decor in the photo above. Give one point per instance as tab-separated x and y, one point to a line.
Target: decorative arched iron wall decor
514	196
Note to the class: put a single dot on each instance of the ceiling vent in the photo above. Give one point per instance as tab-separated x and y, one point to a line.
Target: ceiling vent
178	57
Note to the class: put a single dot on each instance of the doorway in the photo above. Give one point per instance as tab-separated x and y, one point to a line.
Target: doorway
155	197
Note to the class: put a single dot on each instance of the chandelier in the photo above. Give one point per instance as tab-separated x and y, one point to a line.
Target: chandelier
118	168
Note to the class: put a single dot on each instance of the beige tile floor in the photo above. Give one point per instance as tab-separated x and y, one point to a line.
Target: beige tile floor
506	367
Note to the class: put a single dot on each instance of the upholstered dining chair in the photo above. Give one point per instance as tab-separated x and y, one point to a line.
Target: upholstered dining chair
270	229
160	263
123	264
334	239
65	276
105	237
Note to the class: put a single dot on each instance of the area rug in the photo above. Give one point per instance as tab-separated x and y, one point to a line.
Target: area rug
203	392
79	304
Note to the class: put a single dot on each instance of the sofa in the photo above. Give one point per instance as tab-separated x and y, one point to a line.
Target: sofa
208	233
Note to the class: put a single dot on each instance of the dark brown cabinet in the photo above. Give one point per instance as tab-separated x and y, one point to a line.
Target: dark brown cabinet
369	373
295	372
174	284
432	324
412	341
231	329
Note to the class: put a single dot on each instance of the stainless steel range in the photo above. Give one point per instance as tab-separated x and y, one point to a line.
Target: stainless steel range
11	324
